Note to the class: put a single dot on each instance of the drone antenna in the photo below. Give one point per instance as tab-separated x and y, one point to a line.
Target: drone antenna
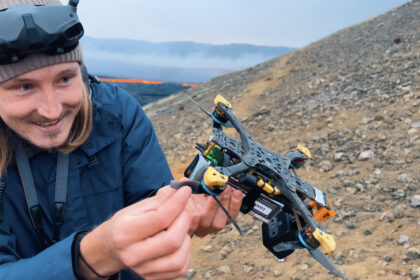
196	104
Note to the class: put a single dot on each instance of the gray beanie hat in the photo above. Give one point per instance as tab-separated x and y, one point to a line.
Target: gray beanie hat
38	60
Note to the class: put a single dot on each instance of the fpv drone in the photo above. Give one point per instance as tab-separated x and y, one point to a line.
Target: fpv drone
290	208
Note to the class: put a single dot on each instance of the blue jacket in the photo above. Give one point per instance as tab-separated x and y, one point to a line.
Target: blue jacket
119	164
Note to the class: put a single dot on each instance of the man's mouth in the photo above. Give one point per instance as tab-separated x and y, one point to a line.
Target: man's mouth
46	124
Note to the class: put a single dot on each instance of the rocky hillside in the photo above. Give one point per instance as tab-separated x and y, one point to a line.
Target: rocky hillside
353	99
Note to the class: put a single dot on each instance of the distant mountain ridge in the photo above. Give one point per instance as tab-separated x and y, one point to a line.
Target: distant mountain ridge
171	61
181	48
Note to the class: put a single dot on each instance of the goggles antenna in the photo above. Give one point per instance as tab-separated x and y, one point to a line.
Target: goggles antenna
73	3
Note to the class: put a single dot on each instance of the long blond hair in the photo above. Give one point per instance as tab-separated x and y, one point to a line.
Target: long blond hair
79	132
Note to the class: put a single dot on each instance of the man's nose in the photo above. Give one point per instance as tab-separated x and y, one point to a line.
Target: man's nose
50	106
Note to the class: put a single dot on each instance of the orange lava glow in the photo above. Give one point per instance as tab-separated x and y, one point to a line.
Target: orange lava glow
141	82
189	85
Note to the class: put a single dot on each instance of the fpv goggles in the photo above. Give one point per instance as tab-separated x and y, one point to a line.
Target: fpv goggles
29	29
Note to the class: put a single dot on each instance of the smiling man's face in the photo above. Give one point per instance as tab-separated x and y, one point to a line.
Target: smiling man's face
41	105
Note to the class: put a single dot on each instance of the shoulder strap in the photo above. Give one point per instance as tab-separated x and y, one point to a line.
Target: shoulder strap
30	193
2	192
60	193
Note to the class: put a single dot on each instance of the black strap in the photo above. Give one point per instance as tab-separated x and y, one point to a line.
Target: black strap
60	193
2	193
248	202
28	185
31	196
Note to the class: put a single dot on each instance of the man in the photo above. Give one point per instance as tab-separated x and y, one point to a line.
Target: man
75	161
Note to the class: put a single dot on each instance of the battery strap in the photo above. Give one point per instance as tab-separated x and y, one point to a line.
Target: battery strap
248	202
34	208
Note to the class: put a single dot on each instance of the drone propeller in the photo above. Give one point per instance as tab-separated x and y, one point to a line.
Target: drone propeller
312	246
216	115
318	255
198	105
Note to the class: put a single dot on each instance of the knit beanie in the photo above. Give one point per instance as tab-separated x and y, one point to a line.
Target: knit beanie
38	60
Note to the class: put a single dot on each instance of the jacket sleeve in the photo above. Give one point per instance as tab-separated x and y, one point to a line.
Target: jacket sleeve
54	262
145	168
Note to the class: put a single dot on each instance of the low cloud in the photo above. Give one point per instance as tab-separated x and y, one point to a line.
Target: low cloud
197	60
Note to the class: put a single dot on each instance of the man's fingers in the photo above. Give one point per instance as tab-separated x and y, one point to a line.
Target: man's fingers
146	224
208	212
169	275
235	203
150	203
174	262
161	244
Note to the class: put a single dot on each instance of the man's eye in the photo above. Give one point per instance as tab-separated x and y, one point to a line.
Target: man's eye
25	87
66	79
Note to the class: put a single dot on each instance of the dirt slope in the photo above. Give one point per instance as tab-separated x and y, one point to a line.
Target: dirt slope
355	93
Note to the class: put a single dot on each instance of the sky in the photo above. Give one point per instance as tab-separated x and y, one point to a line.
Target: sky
292	23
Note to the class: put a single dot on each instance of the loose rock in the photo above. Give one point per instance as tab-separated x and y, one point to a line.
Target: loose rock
207	249
387	217
325	165
415	272
224	253
412	131
339	173
351	224
338	156
367	232
277	273
415	201
413	253
398	211
248	269
208	275
191	273
367	120
387	258
403	239
398	194
224	270
366	155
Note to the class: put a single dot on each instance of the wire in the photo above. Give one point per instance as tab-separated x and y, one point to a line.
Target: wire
232	220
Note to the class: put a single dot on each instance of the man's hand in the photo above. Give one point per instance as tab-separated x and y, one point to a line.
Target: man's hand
212	217
150	237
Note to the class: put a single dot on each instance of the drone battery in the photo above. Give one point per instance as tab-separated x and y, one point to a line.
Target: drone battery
264	208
